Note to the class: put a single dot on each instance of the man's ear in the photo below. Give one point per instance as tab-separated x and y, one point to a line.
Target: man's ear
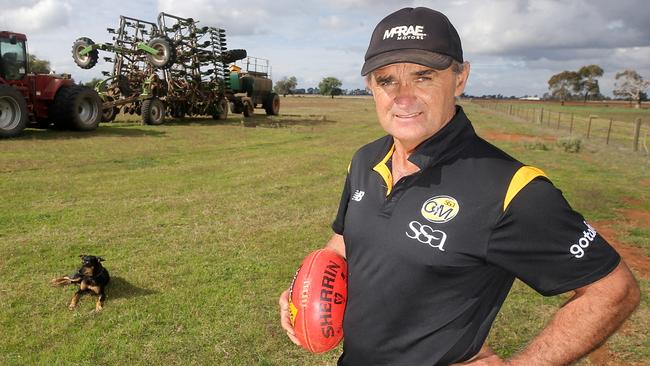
461	79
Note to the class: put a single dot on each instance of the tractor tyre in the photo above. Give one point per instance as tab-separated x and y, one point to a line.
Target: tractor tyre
13	111
248	108
88	60
78	107
153	112
221	110
272	104
166	55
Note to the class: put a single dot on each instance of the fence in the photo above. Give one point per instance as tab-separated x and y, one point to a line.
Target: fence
628	134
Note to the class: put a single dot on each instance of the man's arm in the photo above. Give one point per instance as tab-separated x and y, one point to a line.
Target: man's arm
581	325
335	243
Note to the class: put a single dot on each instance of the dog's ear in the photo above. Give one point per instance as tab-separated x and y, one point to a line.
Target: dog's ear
101	259
82	255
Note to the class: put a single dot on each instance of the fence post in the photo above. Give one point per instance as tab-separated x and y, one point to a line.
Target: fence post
571	128
541	117
559	115
510	110
589	125
609	130
637	132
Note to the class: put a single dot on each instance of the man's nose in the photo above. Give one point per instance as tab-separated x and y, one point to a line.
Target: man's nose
404	94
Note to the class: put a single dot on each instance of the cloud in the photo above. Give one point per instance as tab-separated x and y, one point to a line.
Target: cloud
531	28
35	15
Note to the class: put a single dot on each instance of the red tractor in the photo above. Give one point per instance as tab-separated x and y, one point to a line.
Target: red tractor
40	98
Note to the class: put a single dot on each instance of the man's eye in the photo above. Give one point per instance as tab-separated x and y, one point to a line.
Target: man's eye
423	79
386	82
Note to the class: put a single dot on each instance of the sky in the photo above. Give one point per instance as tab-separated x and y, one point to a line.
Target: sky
513	46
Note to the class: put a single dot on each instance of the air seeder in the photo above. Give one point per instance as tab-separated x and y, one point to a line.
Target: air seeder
174	67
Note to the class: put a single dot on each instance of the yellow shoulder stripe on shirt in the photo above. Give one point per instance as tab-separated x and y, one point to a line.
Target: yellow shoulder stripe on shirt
522	177
383	170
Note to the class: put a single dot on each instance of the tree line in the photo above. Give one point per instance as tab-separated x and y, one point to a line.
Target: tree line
583	84
328	86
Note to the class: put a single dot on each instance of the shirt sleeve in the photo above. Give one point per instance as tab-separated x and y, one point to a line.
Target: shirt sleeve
339	221
545	243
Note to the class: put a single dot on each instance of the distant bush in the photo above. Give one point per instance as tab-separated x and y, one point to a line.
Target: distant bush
570	144
536	145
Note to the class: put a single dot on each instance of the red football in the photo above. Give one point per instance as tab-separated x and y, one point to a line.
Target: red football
317	300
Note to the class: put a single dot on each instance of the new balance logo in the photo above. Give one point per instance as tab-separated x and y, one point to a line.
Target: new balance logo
405	32
358	195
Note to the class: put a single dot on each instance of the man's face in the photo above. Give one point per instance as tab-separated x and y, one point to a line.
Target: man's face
414	102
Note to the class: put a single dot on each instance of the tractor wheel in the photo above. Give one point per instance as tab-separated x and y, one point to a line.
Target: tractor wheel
221	112
153	112
165	57
78	107
13	112
88	60
248	108
272	104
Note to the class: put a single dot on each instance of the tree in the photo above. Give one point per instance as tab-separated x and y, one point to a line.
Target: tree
38	66
587	82
93	82
285	85
563	83
330	86
629	84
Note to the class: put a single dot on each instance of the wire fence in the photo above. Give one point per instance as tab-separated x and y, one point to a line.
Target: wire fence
631	135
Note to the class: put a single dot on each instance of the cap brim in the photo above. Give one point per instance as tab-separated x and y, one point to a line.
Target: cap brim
415	56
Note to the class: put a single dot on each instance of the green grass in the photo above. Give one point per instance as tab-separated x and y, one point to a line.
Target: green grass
203	223
574	120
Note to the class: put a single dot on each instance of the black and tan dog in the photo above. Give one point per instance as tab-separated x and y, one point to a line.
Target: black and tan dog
91	277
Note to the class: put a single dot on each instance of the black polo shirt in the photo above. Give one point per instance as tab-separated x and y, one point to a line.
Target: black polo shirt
432	258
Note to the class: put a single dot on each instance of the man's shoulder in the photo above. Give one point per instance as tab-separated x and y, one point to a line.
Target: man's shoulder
372	152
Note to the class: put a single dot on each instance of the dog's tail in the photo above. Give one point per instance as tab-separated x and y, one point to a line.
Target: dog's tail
62	281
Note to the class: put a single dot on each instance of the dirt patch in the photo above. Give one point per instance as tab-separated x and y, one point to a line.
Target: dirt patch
633	257
603	356
638	218
513	137
632	201
645	182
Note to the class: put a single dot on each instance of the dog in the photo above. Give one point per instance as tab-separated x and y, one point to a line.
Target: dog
91	277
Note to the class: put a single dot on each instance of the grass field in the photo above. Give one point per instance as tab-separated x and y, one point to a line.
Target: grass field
612	123
203	223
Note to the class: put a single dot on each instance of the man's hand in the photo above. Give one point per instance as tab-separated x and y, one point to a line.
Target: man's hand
285	317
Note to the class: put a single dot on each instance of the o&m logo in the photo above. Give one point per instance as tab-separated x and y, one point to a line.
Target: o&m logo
440	209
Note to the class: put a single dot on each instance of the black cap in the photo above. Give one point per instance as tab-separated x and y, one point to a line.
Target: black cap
416	35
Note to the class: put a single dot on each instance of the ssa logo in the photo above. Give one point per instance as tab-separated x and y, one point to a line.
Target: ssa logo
440	209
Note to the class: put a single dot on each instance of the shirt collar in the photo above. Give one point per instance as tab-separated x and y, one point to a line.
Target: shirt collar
445	143
442	145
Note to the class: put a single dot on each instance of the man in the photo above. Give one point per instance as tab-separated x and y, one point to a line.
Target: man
436	223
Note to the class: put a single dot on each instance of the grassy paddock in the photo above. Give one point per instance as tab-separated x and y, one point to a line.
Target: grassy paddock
202	224
611	123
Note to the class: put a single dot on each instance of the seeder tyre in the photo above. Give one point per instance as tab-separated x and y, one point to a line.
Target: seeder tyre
88	60
165	57
153	111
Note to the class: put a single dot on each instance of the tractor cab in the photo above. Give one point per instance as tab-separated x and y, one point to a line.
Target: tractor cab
13	56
